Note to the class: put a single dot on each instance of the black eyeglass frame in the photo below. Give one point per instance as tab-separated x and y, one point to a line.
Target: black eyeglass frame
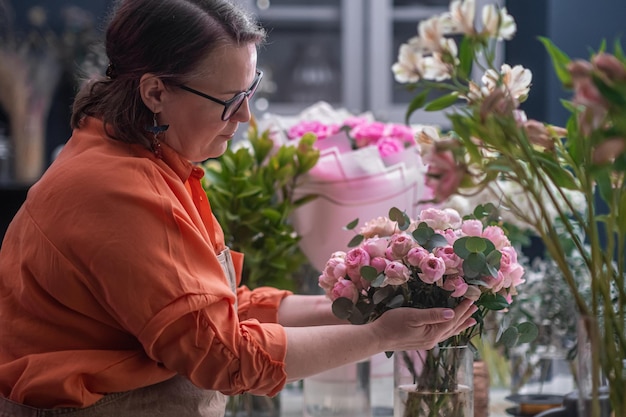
229	103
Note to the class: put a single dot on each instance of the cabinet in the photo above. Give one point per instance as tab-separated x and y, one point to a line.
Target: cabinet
340	51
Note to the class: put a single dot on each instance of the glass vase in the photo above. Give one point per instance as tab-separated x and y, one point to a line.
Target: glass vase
434	383
339	392
593	391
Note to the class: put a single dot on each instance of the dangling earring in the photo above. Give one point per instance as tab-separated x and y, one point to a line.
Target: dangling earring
156	130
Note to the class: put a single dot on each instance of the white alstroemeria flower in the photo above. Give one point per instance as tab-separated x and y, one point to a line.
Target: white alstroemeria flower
476	92
406	70
431	34
491	20
433	68
426	138
497	23
517	81
462	13
507	25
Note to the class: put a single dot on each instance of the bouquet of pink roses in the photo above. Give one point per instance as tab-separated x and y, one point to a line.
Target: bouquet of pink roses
436	260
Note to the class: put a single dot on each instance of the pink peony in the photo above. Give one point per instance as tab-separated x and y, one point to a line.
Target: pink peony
396	273
432	269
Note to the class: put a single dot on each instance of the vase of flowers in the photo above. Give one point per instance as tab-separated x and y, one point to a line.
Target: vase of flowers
492	140
434	260
434	383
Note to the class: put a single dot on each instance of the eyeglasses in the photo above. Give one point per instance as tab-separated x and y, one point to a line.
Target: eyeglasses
230	106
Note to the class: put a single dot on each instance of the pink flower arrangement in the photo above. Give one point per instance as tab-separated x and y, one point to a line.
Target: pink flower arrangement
389	138
436	260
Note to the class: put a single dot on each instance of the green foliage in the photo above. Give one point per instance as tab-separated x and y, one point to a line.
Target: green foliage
252	194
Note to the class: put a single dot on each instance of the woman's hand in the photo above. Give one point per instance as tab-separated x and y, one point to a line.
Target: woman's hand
413	328
311	350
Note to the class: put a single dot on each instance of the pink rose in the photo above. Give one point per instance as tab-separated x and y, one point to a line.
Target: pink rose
336	265
389	146
432	269
496	235
473	293
380	263
380	226
400	131
326	282
355	259
346	289
415	255
472	228
457	285
450	259
353	121
509	258
438	219
400	245
367	134
396	273
451	235
321	130
375	246
514	276
495	284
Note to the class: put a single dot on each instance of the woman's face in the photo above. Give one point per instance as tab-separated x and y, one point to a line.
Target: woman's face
196	129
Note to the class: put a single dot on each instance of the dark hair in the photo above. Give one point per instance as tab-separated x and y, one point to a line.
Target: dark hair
168	38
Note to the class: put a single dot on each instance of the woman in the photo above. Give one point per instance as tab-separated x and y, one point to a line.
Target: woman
117	294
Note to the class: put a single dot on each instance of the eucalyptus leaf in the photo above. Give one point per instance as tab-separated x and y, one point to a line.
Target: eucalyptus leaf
528	332
509	337
356	241
342	308
368	272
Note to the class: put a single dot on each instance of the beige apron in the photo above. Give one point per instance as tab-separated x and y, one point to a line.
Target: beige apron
176	397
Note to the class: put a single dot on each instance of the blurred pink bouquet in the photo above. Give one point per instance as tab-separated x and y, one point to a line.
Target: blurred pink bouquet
357	132
365	166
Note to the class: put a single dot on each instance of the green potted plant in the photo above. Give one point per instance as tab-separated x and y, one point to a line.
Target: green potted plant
251	190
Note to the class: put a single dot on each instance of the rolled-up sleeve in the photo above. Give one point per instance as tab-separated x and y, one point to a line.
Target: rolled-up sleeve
261	303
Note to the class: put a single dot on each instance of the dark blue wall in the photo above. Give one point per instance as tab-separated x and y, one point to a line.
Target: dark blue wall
576	26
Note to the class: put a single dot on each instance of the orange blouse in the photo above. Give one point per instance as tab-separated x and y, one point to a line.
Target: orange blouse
109	281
